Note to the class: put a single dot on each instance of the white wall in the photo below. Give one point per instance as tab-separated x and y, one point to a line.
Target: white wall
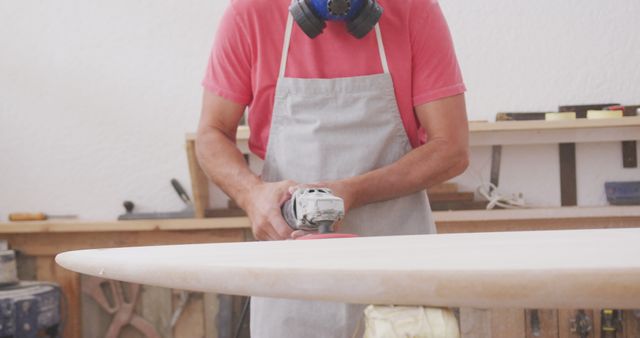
95	97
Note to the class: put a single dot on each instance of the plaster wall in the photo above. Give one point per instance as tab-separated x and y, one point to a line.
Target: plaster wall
95	97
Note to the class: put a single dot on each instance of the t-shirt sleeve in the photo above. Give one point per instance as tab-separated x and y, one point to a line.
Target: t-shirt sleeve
436	73
229	68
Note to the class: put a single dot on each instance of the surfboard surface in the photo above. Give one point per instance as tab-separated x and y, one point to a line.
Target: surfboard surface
542	269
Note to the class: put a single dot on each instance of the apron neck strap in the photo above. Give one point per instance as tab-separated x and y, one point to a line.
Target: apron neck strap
287	43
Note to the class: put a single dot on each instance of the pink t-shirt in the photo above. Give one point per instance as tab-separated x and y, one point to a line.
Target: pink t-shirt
245	59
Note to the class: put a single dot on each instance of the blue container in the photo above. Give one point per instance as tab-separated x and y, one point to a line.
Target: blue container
623	193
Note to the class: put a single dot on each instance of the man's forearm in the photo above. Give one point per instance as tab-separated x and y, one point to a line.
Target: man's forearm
430	164
224	164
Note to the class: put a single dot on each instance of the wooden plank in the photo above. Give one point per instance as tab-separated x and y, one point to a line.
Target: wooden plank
156	307
582	109
447	187
568	185
48	270
555	136
93	229
475	323
191	322
507	323
199	181
541	323
548	214
53	243
451	197
211	309
631	323
455	206
536	219
120	226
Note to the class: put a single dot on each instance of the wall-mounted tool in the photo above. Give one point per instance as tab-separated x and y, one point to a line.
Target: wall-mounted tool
36	216
581	324
611	323
187	212
314	210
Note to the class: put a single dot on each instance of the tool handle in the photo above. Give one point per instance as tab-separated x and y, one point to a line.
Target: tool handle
27	216
180	190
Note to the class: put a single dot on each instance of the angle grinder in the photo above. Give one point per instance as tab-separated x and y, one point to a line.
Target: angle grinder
315	210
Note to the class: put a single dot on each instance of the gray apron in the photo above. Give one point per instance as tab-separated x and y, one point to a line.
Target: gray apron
330	129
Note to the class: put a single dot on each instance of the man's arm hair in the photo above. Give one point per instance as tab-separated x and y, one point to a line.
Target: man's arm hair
216	149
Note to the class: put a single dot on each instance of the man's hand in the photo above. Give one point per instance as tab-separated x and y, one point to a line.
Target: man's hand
263	205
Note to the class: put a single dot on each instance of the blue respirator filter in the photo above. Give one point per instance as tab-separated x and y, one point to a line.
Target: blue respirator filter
360	15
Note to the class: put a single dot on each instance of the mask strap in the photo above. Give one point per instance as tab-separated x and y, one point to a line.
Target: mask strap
285	46
383	55
287	43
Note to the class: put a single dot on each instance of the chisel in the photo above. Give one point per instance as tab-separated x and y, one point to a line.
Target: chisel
36	216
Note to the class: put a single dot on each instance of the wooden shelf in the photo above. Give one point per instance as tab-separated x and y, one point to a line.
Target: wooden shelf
533	132
632	121
554	132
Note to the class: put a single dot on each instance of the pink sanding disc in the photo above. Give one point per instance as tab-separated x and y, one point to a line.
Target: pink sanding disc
325	236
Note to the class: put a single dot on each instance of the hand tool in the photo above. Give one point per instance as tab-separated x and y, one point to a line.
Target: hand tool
36	216
187	212
314	210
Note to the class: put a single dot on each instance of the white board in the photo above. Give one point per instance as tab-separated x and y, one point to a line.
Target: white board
543	269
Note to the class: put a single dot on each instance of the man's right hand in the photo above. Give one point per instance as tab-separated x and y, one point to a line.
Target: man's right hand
264	210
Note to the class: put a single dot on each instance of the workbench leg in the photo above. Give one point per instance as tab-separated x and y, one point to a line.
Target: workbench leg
48	270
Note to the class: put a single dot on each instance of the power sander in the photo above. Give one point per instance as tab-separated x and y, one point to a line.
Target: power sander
315	210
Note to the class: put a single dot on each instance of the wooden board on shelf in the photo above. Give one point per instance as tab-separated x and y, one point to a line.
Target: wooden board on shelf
451	197
447	187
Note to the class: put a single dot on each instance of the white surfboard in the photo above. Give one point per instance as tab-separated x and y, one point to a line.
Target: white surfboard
543	269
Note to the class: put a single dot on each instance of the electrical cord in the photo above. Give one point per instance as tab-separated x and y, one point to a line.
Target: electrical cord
499	199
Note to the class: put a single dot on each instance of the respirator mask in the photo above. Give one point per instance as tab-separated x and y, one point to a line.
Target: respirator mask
360	15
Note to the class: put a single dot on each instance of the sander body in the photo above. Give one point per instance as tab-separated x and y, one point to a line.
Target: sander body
314	210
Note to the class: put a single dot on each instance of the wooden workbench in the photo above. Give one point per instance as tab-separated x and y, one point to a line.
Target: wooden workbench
39	242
